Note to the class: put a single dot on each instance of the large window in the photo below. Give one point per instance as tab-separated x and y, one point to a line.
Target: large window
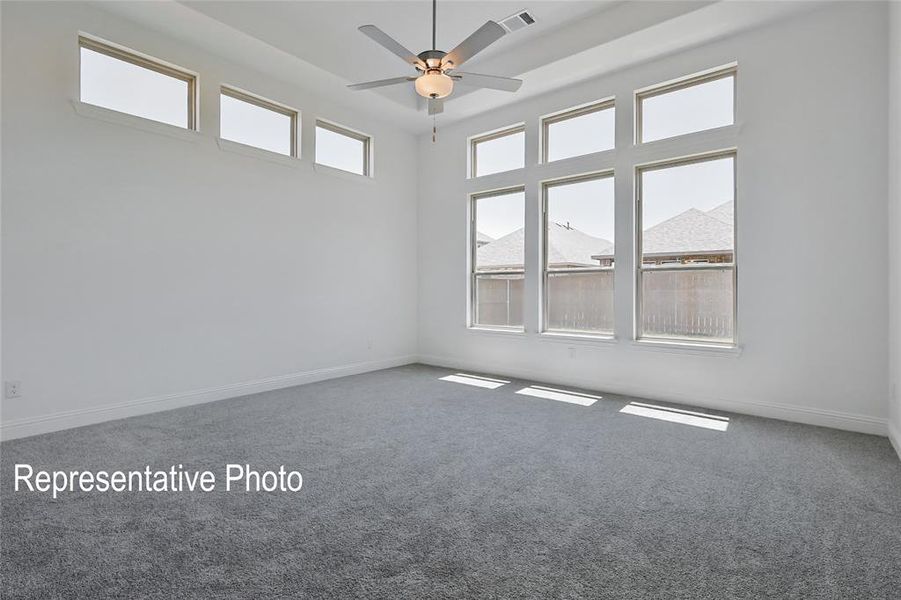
699	103
686	266
342	148
256	122
578	254
497	152
126	82
497	245
580	131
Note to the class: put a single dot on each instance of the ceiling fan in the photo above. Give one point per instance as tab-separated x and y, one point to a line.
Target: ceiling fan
437	70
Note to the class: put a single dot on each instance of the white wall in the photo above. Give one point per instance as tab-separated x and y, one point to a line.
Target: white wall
812	231
142	266
895	220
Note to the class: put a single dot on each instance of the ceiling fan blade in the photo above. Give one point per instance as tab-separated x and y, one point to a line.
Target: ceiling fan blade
436	106
483	37
389	43
507	84
380	83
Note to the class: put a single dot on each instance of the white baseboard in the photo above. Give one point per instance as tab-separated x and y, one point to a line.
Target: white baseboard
784	412
894	436
18	428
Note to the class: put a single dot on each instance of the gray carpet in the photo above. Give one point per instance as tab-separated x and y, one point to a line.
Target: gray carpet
420	488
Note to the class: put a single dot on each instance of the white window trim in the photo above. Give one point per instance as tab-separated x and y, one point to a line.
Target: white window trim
472	141
108	115
368	147
673	85
543	323
564	115
639	267
271	105
471	215
629	156
145	61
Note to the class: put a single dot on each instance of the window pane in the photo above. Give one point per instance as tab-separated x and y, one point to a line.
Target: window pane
687	216
340	151
584	134
254	125
499	232
688	303
696	108
499	300
580	301
687	213
119	85
579	235
498	259
500	154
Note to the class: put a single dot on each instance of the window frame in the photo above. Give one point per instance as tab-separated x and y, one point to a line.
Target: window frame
472	239
710	75
259	101
640	169
545	186
572	113
147	62
356	135
490	136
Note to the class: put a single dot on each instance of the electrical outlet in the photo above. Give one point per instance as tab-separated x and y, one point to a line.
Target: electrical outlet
13	389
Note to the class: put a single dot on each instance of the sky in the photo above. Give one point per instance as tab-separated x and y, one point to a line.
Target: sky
254	125
496	216
122	86
586	206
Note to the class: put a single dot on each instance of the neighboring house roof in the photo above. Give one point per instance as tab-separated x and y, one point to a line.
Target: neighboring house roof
725	212
690	232
566	246
482	238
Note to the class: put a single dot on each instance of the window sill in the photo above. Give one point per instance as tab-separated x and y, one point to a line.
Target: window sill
259	153
682	347
100	113
590	160
516	173
577	338
341	173
723	136
517	333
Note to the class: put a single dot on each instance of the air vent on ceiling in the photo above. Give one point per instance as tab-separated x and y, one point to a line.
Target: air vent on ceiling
518	21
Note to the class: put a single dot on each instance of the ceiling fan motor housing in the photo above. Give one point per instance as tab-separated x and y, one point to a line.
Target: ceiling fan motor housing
432	58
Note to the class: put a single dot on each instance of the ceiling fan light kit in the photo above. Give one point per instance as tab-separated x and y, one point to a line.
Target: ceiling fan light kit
434	84
436	71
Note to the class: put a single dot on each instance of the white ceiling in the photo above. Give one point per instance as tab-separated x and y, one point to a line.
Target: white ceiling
324	33
316	43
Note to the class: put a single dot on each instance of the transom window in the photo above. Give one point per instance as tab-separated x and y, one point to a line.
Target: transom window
127	82
497	152
253	121
579	131
579	254
497	246
695	104
686	250
342	148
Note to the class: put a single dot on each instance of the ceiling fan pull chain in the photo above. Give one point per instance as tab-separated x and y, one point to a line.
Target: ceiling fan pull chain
434	128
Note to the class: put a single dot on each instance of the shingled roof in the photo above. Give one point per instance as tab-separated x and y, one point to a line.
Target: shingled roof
692	231
566	247
689	232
